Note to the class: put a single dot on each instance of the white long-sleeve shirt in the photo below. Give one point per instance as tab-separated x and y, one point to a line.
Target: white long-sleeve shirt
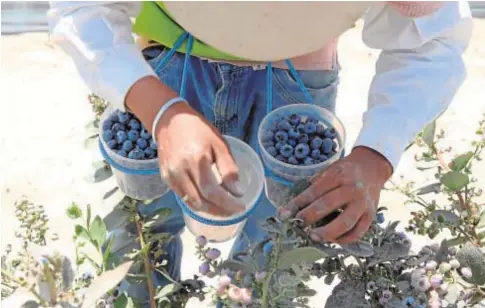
417	74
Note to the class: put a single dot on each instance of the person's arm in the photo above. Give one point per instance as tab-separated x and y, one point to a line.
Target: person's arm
98	37
417	74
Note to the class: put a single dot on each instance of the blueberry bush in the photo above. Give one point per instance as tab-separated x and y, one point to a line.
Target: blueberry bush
381	270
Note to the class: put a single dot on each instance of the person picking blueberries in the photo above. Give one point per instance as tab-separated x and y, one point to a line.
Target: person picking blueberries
417	75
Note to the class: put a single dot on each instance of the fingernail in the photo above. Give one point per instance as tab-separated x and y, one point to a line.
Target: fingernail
315	237
235	188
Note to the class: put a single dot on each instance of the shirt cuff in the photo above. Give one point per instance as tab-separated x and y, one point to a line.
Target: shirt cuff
118	70
385	137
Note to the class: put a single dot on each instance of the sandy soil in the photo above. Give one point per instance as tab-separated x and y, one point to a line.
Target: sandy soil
44	110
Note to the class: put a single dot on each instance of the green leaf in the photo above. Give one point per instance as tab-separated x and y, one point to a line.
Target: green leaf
444	216
102	174
461	161
307	255
110	192
329	279
457	241
107	252
158	216
98	231
90	141
455	180
105	282
431	188
92	127
361	249
81	233
472	257
428	134
74	211
88	216
234	265
481	222
124	301
167	290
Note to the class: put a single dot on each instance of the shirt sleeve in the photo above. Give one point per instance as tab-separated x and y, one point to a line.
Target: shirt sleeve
417	75
98	37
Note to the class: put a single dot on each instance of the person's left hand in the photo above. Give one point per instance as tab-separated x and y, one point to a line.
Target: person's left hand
352	184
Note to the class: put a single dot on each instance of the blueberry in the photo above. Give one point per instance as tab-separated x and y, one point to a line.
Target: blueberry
311	120
107	124
327	145
267	136
300	128
303	138
294	119
284	125
118	127
204	268
281	158
122	153
133	135
308	161
278	145
112	144
330	133
310	128
201	240
380	218
322	158
316	142
153	145
113	118
320	129
127	145
121	136
136	154
272	151
213	254
292	142
315	154
107	135
268	144
281	136
267	248
293	133
150	153
334	145
134	124
145	134
292	160
286	150
123	117
141	143
302	150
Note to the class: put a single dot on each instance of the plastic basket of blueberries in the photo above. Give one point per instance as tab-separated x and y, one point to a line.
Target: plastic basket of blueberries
296	142
130	150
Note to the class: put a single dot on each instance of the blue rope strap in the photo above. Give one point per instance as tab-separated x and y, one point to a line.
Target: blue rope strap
172	51
299	81
269	88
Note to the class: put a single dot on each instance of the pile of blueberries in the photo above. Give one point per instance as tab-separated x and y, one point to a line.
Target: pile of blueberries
124	134
300	141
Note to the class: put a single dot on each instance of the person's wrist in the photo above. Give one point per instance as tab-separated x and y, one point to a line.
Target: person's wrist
376	161
146	97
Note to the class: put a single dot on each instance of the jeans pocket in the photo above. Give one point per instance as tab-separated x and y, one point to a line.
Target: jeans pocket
321	84
156	57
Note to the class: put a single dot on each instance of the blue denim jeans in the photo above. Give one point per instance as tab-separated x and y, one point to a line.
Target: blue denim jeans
233	98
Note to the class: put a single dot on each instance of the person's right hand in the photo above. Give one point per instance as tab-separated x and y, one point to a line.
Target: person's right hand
188	147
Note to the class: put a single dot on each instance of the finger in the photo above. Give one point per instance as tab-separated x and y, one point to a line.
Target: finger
357	232
228	170
340	225
210	189
319	187
184	187
326	204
